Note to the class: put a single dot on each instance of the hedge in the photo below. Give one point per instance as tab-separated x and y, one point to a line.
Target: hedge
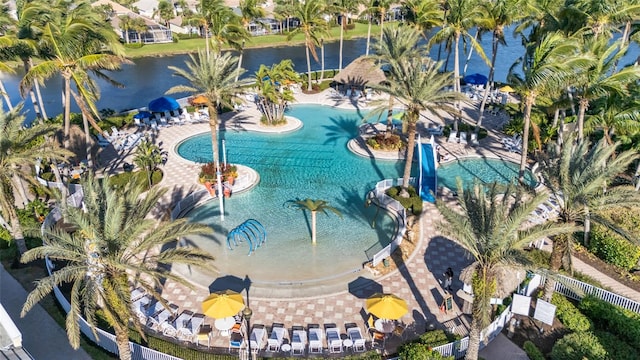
620	322
532	351
569	314
613	248
140	177
579	346
413	202
618	350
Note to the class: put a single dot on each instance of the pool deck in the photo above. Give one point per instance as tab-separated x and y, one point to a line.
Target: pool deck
418	281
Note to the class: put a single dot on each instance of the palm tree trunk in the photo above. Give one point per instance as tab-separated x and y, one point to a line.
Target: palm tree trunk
466	63
474	341
528	104
456	74
5	96
122	340
582	108
308	68
67	110
486	87
213	125
411	143
389	118
341	40
313	227
381	24
322	60
206	39
240	60
87	140
587	228
19	185
126	35
16	230
26	63
368	36
555	263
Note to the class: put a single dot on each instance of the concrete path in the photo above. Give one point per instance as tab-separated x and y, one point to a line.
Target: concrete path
501	348
42	337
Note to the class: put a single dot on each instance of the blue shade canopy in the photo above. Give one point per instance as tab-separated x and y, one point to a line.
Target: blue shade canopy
142	115
164	103
475	79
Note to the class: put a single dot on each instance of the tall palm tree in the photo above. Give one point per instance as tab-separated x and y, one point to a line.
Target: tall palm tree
617	115
148	156
424	14
274	94
344	9
547	65
493	17
314	206
6	24
419	87
20	149
226	28
250	10
165	12
382	9
214	76
115	246
492	225
312	26
370	9
579	178
599	79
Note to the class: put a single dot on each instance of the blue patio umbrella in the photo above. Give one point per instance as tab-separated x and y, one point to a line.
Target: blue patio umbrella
475	79
142	115
164	103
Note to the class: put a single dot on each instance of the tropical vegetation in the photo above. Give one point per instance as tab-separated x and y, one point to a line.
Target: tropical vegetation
314	206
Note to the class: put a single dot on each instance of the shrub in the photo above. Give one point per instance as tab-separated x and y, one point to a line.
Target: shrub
140	178
436	338
133	45
613	248
413	202
532	351
620	322
382	142
569	314
616	349
578	346
418	351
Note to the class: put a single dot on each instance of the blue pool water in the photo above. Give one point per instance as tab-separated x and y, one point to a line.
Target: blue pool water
312	162
480	169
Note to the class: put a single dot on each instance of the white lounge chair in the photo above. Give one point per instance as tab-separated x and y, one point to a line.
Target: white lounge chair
137	294
154	125
436	131
453	136
474	138
190	331
277	337
355	335
298	341
172	328
333	340
315	341
463	137
102	141
258	334
140	308
158	320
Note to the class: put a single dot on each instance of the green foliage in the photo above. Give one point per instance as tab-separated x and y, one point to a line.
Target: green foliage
418	351
208	172
382	142
140	177
532	351
413	202
613	248
616	349
436	338
5	237
622	323
177	350
569	314
579	346
119	121
134	45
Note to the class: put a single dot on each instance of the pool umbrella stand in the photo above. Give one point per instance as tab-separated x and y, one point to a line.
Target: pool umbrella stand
507	89
199	100
222	304
386	306
162	104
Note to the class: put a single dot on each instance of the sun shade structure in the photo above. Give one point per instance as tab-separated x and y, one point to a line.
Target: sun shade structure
199	100
222	304
507	278
142	115
475	79
507	89
360	72
164	103
386	306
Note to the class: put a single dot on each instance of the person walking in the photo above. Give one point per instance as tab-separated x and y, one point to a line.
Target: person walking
448	279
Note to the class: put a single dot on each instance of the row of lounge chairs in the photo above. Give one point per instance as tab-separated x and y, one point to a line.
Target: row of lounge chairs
453	138
513	143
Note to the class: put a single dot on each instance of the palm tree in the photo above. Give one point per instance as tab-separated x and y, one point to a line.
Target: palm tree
312	26
314	206
382	7
617	115
165	12
20	149
370	9
492	225
547	66
116	245
578	178
226	28
214	76
148	156
6	23
424	14
599	79
494	16
250	11
344	9
274	94
419	87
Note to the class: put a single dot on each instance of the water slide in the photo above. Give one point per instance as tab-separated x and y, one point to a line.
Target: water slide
428	178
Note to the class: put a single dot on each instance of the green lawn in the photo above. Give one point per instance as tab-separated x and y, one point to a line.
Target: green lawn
192	45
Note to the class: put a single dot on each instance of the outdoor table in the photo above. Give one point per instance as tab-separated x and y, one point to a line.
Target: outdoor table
285	348
224	325
385	326
347	343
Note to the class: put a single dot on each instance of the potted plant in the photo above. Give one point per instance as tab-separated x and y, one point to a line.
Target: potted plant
230	173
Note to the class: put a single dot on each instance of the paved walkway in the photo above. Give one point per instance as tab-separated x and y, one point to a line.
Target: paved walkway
42	337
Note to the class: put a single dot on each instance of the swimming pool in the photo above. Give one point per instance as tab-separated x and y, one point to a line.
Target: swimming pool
483	169
312	162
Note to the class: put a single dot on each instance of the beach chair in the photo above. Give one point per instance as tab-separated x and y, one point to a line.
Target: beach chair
435	131
315	341
137	294
156	321
172	328
258	334
277	337
102	141
139	307
474	138
355	335
453	137
236	341
463	137
190	332
298	340
334	343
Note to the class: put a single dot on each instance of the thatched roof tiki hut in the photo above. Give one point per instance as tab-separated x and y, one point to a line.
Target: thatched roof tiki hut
360	73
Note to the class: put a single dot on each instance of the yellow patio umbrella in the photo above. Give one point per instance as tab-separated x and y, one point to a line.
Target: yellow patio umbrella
199	100
386	306
507	89
222	304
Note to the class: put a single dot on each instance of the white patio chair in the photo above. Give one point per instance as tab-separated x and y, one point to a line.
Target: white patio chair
277	337
463	137
436	131
258	334
137	294
140	308
453	136
156	321
102	141
172	328
474	138
190	332
355	334
298	341
333	340
315	341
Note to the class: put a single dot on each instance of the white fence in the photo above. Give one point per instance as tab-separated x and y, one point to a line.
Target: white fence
395	209
572	288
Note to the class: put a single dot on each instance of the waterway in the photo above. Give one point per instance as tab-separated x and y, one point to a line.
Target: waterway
149	78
